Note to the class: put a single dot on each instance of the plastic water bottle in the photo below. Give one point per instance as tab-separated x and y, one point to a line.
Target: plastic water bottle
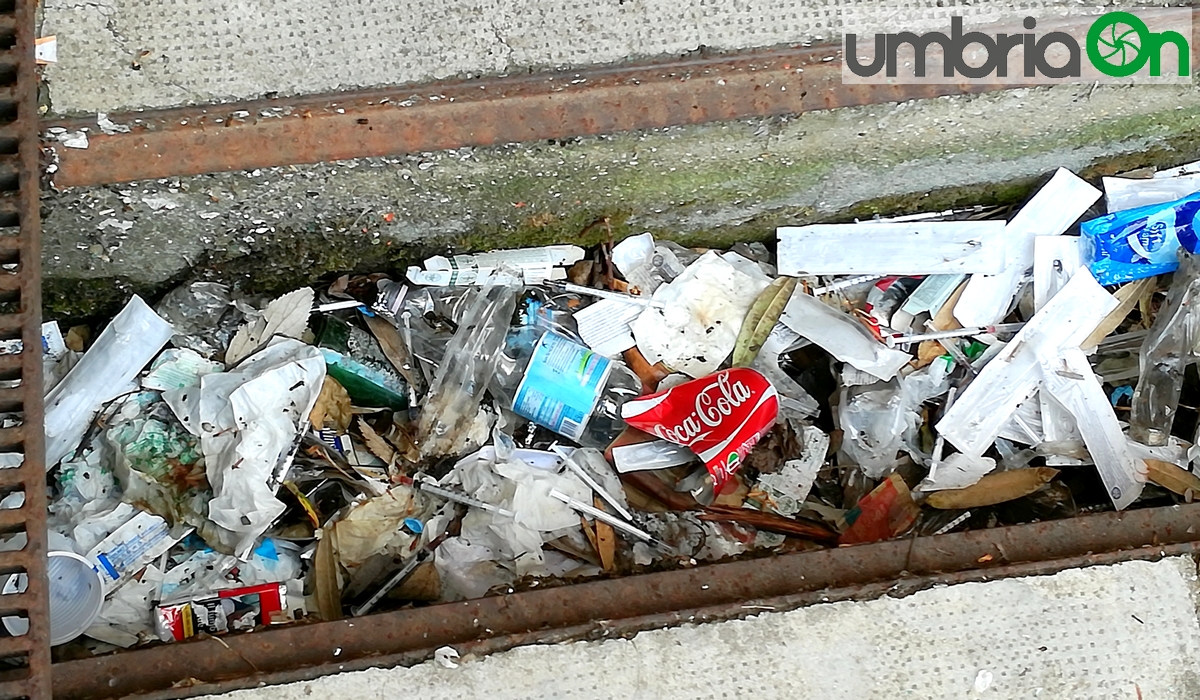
561	385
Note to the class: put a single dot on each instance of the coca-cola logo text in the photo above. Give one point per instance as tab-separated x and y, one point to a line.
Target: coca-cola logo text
709	411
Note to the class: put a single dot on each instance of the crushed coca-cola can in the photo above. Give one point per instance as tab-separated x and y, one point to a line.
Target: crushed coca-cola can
720	417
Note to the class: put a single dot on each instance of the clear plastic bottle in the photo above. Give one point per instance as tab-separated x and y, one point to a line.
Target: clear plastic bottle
1165	354
563	386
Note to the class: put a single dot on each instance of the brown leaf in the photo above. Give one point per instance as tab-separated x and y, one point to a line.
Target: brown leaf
328	582
997	487
332	409
375	444
771	522
606	542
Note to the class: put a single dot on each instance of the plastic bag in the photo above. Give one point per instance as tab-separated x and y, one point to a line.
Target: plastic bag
469	362
1141	242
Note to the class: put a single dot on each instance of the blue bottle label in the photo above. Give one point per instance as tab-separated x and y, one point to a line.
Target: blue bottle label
561	386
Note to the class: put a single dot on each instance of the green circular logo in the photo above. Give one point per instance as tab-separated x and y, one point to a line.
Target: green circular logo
1117	44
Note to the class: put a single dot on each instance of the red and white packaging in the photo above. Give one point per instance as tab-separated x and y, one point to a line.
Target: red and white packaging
720	417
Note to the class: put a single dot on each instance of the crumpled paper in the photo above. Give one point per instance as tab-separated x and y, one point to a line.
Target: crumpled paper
703	308
247	420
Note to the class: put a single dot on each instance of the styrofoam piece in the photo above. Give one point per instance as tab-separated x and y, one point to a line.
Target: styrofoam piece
975	420
1053	210
908	248
105	372
1121	193
1068	378
842	336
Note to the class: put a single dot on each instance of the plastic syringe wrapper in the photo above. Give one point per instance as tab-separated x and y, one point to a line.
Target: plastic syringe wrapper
535	265
983	409
1122	194
905	248
1142	242
1069	379
988	298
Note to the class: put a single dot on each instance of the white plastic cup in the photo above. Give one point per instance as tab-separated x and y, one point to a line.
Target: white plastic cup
76	592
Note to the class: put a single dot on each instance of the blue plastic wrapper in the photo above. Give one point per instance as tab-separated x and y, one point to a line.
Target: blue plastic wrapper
1142	242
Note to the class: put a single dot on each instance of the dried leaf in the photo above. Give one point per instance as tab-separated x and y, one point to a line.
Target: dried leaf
771	522
928	351
328	582
286	316
761	318
606	542
332	408
994	488
1171	477
77	338
245	341
375	444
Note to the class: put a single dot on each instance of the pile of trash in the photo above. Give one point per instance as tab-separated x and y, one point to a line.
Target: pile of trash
490	422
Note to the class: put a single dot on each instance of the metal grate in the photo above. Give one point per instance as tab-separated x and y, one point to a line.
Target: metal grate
24	659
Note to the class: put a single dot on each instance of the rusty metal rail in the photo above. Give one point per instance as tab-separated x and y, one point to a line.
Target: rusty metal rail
483	112
25	658
303	651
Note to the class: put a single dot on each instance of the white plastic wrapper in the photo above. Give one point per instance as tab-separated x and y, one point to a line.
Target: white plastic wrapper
106	371
958	471
656	454
842	336
793	399
909	248
535	264
1055	259
988	298
247	420
981	411
1068	378
698	324
1185	169
1122	193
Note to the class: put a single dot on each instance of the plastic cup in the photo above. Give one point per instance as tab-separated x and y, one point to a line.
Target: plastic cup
76	592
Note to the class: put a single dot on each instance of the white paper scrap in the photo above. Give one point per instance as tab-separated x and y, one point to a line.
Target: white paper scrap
702	313
910	248
105	372
604	326
1053	210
